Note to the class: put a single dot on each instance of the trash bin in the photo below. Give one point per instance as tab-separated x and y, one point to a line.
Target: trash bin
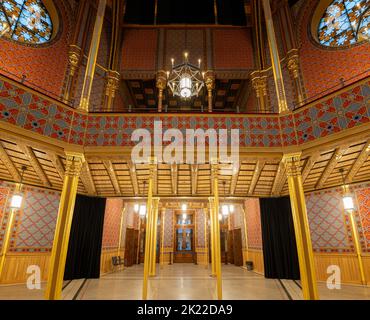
249	265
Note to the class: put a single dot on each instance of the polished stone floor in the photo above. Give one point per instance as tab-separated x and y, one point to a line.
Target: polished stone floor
184	282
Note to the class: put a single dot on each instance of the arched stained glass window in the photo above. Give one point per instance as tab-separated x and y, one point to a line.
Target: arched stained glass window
25	21
345	22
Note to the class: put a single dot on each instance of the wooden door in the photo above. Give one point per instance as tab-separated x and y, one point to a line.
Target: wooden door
230	247
238	249
129	248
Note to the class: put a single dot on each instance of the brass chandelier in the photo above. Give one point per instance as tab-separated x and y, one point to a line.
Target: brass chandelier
185	80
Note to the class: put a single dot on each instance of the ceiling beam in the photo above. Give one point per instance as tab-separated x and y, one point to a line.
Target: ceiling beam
257	172
9	164
132	170
112	175
174	175
194	179
280	179
87	179
27	150
359	162
234	180
57	163
337	155
309	165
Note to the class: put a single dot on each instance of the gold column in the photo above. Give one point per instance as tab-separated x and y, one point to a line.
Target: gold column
162	236
259	83
120	231
216	222
356	240
206	236
63	226
212	238
74	59
161	85
301	226
148	233
111	87
152	272
293	66
245	233
275	59
210	84
93	55
8	234
138	242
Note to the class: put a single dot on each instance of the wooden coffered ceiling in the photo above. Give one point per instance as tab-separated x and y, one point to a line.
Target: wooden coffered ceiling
108	176
230	95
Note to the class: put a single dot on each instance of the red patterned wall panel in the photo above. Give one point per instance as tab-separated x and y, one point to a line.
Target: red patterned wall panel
363	200
168	229
199	216
112	222
232	49
34	225
4	194
139	49
322	68
43	66
253	217
329	232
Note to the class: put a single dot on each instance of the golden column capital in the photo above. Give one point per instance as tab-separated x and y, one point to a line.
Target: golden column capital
161	84
113	79
292	163
74	58
161	80
293	63
74	163
209	79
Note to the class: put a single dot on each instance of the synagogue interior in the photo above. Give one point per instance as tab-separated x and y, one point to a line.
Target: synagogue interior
185	150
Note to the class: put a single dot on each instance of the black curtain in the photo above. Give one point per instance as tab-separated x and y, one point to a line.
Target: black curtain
85	241
279	243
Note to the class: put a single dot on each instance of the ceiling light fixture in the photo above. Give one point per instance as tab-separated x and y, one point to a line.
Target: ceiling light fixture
185	80
17	198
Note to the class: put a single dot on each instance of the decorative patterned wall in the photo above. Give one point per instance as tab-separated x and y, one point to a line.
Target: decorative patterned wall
112	223
25	110
363	200
168	229
200	236
253	217
330	224
322	68
329	232
43	66
34	226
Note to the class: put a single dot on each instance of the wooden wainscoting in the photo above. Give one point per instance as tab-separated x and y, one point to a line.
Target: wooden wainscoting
202	256
257	257
106	265
166	255
366	260
348	264
16	264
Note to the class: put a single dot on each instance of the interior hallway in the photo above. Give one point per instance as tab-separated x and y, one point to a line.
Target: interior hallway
184	282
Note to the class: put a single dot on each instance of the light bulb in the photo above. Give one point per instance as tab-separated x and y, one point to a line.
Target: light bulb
225	210
16	201
142	211
348	203
184	216
231	208
136	208
184	207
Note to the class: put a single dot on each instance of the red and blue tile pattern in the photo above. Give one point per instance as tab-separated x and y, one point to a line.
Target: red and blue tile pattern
36	114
